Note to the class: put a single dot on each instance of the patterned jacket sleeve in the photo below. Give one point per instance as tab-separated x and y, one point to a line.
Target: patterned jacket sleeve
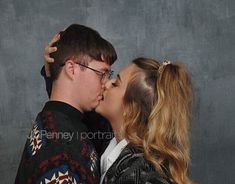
50	161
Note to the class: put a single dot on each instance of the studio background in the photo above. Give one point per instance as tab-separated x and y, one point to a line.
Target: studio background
198	33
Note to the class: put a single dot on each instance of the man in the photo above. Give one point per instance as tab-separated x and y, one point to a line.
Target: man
57	150
100	130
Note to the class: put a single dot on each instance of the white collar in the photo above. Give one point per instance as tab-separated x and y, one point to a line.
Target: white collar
111	154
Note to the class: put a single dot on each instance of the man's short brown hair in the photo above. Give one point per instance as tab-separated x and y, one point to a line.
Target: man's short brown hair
81	43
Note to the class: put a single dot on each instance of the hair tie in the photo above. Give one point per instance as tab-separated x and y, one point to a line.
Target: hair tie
166	62
163	65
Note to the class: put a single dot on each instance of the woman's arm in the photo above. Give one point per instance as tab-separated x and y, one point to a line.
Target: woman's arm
45	71
48	50
48	81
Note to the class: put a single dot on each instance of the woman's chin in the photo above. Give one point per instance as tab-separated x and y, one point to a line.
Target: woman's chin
99	108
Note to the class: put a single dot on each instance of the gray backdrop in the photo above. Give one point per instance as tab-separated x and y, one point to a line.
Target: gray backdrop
199	33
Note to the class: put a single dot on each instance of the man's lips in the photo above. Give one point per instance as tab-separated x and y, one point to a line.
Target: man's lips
100	97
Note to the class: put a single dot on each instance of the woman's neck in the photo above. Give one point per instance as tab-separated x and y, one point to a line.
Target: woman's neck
117	129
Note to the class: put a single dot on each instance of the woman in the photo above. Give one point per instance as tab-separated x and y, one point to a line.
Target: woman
148	106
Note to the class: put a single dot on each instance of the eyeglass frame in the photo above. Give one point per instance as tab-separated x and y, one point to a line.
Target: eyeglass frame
108	73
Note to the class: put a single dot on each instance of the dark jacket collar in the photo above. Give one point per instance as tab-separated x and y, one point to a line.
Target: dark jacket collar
64	108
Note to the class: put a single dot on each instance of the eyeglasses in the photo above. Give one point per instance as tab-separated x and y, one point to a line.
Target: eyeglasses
103	75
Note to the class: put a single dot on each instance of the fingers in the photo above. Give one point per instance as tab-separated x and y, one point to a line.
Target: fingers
52	49
55	38
48	50
48	59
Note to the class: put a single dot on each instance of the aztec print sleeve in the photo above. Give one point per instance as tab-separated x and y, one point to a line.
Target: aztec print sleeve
49	161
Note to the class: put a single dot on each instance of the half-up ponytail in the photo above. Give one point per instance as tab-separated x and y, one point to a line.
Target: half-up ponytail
172	112
166	130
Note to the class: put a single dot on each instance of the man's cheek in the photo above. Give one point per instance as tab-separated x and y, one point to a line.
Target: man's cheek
98	89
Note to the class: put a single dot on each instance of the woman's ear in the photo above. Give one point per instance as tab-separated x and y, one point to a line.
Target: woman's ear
69	69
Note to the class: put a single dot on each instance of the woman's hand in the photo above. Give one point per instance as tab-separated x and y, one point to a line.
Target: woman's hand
48	50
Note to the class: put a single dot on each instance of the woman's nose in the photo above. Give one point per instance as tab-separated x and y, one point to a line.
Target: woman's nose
107	84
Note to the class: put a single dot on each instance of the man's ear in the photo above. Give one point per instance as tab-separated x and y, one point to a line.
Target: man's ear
69	69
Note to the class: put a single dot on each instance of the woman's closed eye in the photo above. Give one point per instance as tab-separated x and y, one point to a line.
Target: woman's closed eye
116	81
115	84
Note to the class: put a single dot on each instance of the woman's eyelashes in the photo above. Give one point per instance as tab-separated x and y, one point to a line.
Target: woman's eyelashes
114	84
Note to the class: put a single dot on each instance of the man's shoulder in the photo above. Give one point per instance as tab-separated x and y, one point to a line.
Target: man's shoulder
46	148
54	132
58	121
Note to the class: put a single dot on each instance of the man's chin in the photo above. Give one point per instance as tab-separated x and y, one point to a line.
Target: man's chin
95	105
97	108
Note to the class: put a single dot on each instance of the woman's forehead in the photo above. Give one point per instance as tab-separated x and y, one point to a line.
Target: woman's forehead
126	73
129	69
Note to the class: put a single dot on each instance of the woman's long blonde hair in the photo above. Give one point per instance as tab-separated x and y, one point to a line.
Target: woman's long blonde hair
157	106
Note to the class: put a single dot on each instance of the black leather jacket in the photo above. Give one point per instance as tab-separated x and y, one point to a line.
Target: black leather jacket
132	168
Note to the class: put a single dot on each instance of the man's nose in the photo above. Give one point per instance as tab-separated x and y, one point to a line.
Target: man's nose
104	81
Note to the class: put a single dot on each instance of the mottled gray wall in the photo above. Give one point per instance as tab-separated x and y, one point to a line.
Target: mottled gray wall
199	33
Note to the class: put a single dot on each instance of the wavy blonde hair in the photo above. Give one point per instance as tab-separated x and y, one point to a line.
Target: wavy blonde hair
157	106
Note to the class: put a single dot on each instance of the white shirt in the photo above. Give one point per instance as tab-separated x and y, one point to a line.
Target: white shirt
110	155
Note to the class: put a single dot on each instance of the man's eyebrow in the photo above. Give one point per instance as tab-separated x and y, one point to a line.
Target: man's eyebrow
119	78
104	69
